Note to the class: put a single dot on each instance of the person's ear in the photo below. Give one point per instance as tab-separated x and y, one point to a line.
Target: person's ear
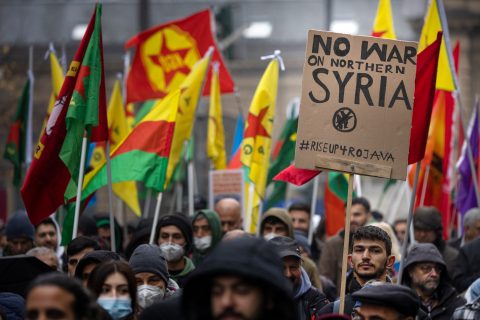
349	259
390	261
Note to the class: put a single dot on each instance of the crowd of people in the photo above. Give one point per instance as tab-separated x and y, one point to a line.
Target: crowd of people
207	267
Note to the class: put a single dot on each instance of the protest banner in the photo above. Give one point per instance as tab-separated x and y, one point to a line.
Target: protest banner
356	105
226	184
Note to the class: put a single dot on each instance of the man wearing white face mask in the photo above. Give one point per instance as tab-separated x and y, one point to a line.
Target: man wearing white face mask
207	233
151	274
175	237
276	222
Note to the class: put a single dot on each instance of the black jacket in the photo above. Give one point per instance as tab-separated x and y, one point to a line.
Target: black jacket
467	266
447	297
352	286
252	259
310	303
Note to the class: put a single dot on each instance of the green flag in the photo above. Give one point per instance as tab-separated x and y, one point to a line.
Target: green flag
16	140
83	111
283	155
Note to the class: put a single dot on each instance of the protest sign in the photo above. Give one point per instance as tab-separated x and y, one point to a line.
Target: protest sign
226	184
356	104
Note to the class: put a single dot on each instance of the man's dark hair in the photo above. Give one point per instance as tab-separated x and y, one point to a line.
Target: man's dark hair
372	233
362	201
83	303
300	206
46	221
273	220
81	243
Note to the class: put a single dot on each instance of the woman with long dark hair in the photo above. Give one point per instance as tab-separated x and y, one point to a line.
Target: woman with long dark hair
115	289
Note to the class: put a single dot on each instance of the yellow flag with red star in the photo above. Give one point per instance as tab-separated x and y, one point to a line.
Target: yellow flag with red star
257	141
383	25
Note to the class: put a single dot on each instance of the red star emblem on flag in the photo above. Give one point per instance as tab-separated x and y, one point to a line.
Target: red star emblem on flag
254	125
171	62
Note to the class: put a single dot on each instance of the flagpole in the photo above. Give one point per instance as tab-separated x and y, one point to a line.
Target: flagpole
155	218
409	222
78	201
110	200
190	188
248	218
28	147
346	243
313	208
448	46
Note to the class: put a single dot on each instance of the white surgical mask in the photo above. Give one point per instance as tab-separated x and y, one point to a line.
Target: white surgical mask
148	295
202	243
270	236
172	251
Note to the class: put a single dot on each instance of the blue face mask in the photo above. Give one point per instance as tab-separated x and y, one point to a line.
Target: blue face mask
118	308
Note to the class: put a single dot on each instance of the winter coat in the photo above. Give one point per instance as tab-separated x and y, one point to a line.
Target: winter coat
252	259
309	300
446	296
467	266
180	277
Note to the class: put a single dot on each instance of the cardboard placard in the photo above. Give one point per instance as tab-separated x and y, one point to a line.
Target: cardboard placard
356	104
226	184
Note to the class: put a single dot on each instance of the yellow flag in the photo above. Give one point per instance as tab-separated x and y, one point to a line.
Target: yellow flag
119	129
383	25
257	140
215	134
190	93
429	34
57	81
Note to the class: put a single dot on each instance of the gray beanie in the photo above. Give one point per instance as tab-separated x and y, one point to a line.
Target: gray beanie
19	226
149	258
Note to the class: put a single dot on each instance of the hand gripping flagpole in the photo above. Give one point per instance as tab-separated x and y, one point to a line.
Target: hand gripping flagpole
448	46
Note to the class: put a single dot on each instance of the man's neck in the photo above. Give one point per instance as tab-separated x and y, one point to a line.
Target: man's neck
176	265
362	281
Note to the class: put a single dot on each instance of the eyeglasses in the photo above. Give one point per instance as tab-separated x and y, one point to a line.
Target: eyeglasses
427	268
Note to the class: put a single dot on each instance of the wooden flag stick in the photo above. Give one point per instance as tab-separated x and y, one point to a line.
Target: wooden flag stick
409	222
155	218
78	201
346	241
191	207
110	200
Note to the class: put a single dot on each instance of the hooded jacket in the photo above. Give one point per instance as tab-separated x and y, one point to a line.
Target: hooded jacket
308	299
446	295
216	229
254	260
283	216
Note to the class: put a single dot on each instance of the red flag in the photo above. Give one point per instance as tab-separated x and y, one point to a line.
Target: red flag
425	80
166	53
48	176
296	176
